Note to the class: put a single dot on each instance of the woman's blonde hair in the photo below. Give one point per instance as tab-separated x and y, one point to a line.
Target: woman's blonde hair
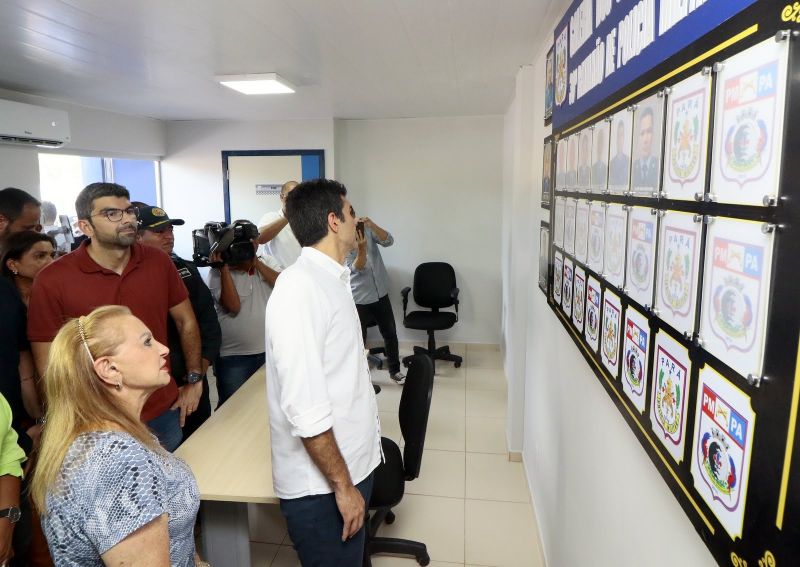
77	400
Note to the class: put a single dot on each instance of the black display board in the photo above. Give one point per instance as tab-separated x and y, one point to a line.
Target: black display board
763	529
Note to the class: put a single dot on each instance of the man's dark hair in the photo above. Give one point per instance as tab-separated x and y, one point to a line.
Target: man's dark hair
13	200
93	191
308	207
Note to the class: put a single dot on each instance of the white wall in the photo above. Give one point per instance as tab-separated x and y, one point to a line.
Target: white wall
192	169
435	184
20	168
598	498
93	131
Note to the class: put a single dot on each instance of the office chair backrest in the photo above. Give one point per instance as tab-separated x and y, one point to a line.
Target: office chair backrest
415	405
433	284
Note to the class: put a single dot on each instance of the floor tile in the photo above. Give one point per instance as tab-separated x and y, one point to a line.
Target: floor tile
446	432
286	557
484	358
448	401
486	379
396	561
486	403
442	474
437	522
261	554
486	435
267	524
501	534
494	477
483	347
446	373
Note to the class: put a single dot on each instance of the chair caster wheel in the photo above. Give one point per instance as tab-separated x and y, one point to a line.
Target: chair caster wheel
457	364
424	560
389	519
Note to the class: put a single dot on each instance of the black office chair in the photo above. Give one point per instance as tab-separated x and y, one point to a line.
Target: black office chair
391	475
434	288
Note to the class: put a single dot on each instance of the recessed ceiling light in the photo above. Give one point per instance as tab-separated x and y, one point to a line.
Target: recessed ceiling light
261	83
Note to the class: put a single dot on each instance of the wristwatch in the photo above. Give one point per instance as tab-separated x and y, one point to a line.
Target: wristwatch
194	377
13	514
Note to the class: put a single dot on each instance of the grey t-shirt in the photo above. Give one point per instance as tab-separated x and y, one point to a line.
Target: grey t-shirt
109	486
243	333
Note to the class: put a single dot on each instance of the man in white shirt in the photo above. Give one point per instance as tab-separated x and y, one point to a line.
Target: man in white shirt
276	235
325	430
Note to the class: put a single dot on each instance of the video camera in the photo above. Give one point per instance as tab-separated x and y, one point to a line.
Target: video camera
234	242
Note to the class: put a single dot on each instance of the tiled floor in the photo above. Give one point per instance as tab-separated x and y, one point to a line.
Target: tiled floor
470	504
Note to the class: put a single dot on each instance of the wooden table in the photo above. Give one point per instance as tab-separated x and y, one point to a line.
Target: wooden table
230	458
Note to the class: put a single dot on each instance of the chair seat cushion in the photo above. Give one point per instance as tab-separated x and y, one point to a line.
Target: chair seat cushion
390	477
428	320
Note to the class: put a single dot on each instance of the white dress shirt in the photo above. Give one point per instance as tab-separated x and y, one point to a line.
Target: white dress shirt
317	376
284	247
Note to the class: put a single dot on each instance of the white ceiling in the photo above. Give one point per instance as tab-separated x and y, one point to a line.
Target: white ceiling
348	58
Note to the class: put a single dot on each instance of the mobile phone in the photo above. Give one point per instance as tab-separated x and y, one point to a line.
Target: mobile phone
360	227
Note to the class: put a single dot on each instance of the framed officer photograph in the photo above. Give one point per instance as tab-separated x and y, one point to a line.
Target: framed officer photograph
648	129
619	160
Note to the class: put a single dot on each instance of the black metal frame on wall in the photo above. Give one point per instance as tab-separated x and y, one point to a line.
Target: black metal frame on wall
548	180
770	530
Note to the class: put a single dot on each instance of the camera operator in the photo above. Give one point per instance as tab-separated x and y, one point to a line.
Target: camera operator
155	229
240	292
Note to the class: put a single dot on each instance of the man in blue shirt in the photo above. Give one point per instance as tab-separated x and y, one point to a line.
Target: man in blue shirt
370	284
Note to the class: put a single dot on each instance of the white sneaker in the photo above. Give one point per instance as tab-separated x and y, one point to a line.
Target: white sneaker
398	378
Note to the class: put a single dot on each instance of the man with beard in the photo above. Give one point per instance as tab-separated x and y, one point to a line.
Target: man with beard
111	268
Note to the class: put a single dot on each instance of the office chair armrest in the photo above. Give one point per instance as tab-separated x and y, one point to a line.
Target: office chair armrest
454	297
404	292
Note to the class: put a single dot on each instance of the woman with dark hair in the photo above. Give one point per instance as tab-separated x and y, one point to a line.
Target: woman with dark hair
26	253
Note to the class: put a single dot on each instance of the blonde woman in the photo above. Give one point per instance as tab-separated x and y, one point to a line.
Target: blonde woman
107	492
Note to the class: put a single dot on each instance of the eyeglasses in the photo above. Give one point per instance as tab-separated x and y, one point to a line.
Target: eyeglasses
115	215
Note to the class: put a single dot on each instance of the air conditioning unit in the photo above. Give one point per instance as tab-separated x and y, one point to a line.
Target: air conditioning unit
30	125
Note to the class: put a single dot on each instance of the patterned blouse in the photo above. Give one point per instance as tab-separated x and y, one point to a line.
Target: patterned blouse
109	486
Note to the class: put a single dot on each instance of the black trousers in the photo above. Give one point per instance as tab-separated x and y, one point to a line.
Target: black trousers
381	313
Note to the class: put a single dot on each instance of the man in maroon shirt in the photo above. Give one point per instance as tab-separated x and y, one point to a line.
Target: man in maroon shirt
112	268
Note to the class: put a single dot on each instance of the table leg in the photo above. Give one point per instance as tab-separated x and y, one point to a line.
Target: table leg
226	533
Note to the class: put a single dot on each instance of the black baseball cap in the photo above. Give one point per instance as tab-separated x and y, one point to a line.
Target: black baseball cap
155	218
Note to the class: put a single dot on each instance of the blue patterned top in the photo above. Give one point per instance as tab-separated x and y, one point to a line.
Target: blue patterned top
109	486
